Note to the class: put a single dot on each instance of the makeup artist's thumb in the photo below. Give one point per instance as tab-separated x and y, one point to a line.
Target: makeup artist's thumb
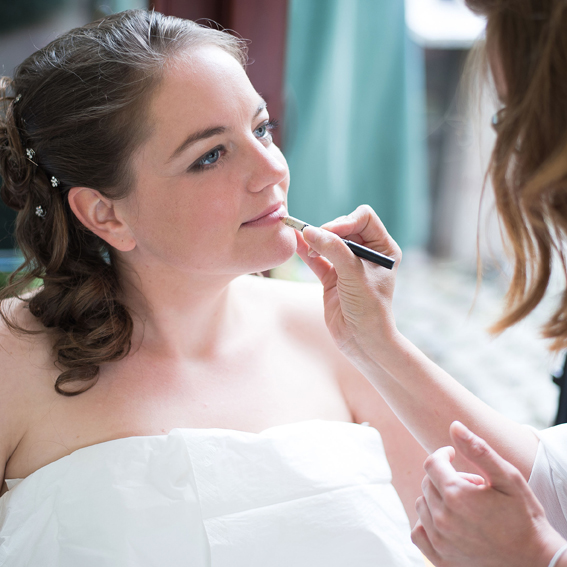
330	245
498	472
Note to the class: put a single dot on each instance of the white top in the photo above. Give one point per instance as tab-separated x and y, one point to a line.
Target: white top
308	494
548	479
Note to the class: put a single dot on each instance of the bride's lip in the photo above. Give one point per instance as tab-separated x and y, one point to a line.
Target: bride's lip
274	212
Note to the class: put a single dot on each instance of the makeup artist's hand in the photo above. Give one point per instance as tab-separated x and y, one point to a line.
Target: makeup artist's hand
357	294
472	521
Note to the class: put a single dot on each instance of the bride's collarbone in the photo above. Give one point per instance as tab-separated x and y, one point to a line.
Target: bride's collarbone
273	375
142	397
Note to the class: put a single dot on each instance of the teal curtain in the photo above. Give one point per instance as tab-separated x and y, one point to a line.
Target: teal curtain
355	127
121	5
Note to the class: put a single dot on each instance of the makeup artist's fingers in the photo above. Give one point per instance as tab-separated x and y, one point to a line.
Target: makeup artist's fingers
499	473
320	266
430	493
440	470
421	540
473	478
338	222
424	533
302	246
365	227
357	294
472	523
332	247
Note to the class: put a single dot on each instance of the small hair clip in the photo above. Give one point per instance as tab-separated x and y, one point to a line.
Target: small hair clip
54	181
30	154
40	212
18	98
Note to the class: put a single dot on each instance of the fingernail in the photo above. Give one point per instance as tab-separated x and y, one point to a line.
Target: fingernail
461	431
312	254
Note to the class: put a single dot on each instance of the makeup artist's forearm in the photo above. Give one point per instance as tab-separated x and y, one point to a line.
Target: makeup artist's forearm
426	399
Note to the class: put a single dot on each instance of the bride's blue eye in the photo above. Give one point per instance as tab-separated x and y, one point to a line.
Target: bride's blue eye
261	131
210	158
265	129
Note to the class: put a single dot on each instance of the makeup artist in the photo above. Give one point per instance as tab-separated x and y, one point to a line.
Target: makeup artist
491	515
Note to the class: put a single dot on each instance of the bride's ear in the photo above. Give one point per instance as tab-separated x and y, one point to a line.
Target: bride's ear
100	216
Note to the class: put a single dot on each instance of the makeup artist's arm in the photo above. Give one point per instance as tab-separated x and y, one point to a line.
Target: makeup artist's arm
404	453
358	312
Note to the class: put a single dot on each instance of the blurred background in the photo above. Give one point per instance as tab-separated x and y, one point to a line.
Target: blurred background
373	109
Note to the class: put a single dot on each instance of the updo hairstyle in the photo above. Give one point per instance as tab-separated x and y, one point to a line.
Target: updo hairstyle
73	114
528	41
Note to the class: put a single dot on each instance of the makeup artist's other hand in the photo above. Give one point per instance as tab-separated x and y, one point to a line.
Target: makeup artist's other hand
357	293
472	521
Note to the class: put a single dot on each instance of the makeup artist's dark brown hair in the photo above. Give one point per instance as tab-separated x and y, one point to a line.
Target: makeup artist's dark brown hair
80	103
527	40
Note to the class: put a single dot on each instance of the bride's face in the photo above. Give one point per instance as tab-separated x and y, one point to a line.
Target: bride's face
210	183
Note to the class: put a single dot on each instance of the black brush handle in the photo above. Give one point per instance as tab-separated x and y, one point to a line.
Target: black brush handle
370	255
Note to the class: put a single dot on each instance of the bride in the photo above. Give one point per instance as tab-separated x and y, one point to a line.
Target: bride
158	406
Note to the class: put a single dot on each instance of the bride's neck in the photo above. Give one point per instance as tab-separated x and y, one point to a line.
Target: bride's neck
181	317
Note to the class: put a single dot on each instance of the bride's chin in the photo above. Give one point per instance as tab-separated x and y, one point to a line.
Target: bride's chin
279	253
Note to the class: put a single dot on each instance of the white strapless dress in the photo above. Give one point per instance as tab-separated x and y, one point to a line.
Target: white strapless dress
309	494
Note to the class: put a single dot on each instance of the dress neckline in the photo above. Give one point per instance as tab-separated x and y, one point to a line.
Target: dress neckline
185	429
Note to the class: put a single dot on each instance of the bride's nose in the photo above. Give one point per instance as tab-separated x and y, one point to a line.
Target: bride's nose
267	167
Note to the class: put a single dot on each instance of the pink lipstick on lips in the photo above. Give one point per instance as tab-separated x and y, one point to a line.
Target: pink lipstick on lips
270	216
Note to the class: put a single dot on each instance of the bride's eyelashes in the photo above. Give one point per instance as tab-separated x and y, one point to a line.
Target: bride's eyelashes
214	156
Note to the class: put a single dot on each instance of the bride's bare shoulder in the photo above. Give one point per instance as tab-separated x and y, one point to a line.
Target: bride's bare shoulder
24	347
26	354
20	331
23	363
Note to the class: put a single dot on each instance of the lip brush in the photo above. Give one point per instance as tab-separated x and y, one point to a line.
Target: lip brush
358	249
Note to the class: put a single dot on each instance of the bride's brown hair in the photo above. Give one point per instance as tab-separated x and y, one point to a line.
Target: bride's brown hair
73	114
526	41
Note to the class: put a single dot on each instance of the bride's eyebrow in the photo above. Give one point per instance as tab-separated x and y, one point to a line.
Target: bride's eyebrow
207	133
195	137
261	106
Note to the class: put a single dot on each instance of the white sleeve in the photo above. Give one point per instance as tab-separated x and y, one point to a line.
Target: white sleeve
548	478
